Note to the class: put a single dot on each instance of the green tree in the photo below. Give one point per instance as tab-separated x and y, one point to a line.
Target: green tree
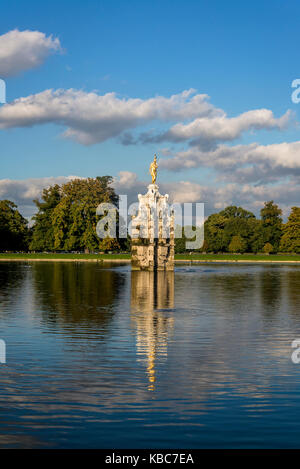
236	212
271	224
240	222
14	233
205	247
43	230
67	215
109	244
179	240
290	241
185	236
237	244
268	248
220	228
256	240
214	232
232	221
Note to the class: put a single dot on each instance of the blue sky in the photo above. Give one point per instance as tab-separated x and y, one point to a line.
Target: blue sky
243	55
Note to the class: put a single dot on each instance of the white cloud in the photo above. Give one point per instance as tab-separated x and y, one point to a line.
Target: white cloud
222	128
22	192
92	118
253	162
214	197
23	50
126	179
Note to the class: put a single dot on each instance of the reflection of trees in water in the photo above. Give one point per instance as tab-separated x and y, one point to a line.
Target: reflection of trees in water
12	278
214	290
239	325
232	286
292	283
270	290
152	296
76	294
239	288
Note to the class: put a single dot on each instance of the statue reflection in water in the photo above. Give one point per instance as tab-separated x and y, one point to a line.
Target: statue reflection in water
152	304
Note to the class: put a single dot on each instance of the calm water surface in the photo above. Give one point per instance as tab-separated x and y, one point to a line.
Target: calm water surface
105	358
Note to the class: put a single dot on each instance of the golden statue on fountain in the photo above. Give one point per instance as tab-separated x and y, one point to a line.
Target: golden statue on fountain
153	169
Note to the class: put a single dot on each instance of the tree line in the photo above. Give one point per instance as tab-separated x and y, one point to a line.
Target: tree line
66	220
236	230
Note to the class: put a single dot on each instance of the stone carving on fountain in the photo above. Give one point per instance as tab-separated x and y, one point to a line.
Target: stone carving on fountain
152	230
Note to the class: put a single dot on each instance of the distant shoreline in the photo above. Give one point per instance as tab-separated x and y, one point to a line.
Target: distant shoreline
179	259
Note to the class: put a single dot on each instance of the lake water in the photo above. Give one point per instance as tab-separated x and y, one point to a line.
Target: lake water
99	357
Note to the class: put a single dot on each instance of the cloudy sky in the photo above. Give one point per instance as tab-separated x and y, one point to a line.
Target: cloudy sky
100	87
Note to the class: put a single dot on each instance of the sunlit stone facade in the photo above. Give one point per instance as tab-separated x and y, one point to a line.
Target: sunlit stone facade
153	233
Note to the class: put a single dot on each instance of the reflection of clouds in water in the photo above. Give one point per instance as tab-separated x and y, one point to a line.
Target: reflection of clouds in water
21	441
152	296
227	345
236	320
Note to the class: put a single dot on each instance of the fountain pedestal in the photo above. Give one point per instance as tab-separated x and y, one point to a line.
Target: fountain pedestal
152	233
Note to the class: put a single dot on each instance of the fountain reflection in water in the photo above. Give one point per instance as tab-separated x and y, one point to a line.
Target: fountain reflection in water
152	304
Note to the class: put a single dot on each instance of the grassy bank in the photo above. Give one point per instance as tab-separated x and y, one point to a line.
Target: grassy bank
239	257
126	257
53	256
